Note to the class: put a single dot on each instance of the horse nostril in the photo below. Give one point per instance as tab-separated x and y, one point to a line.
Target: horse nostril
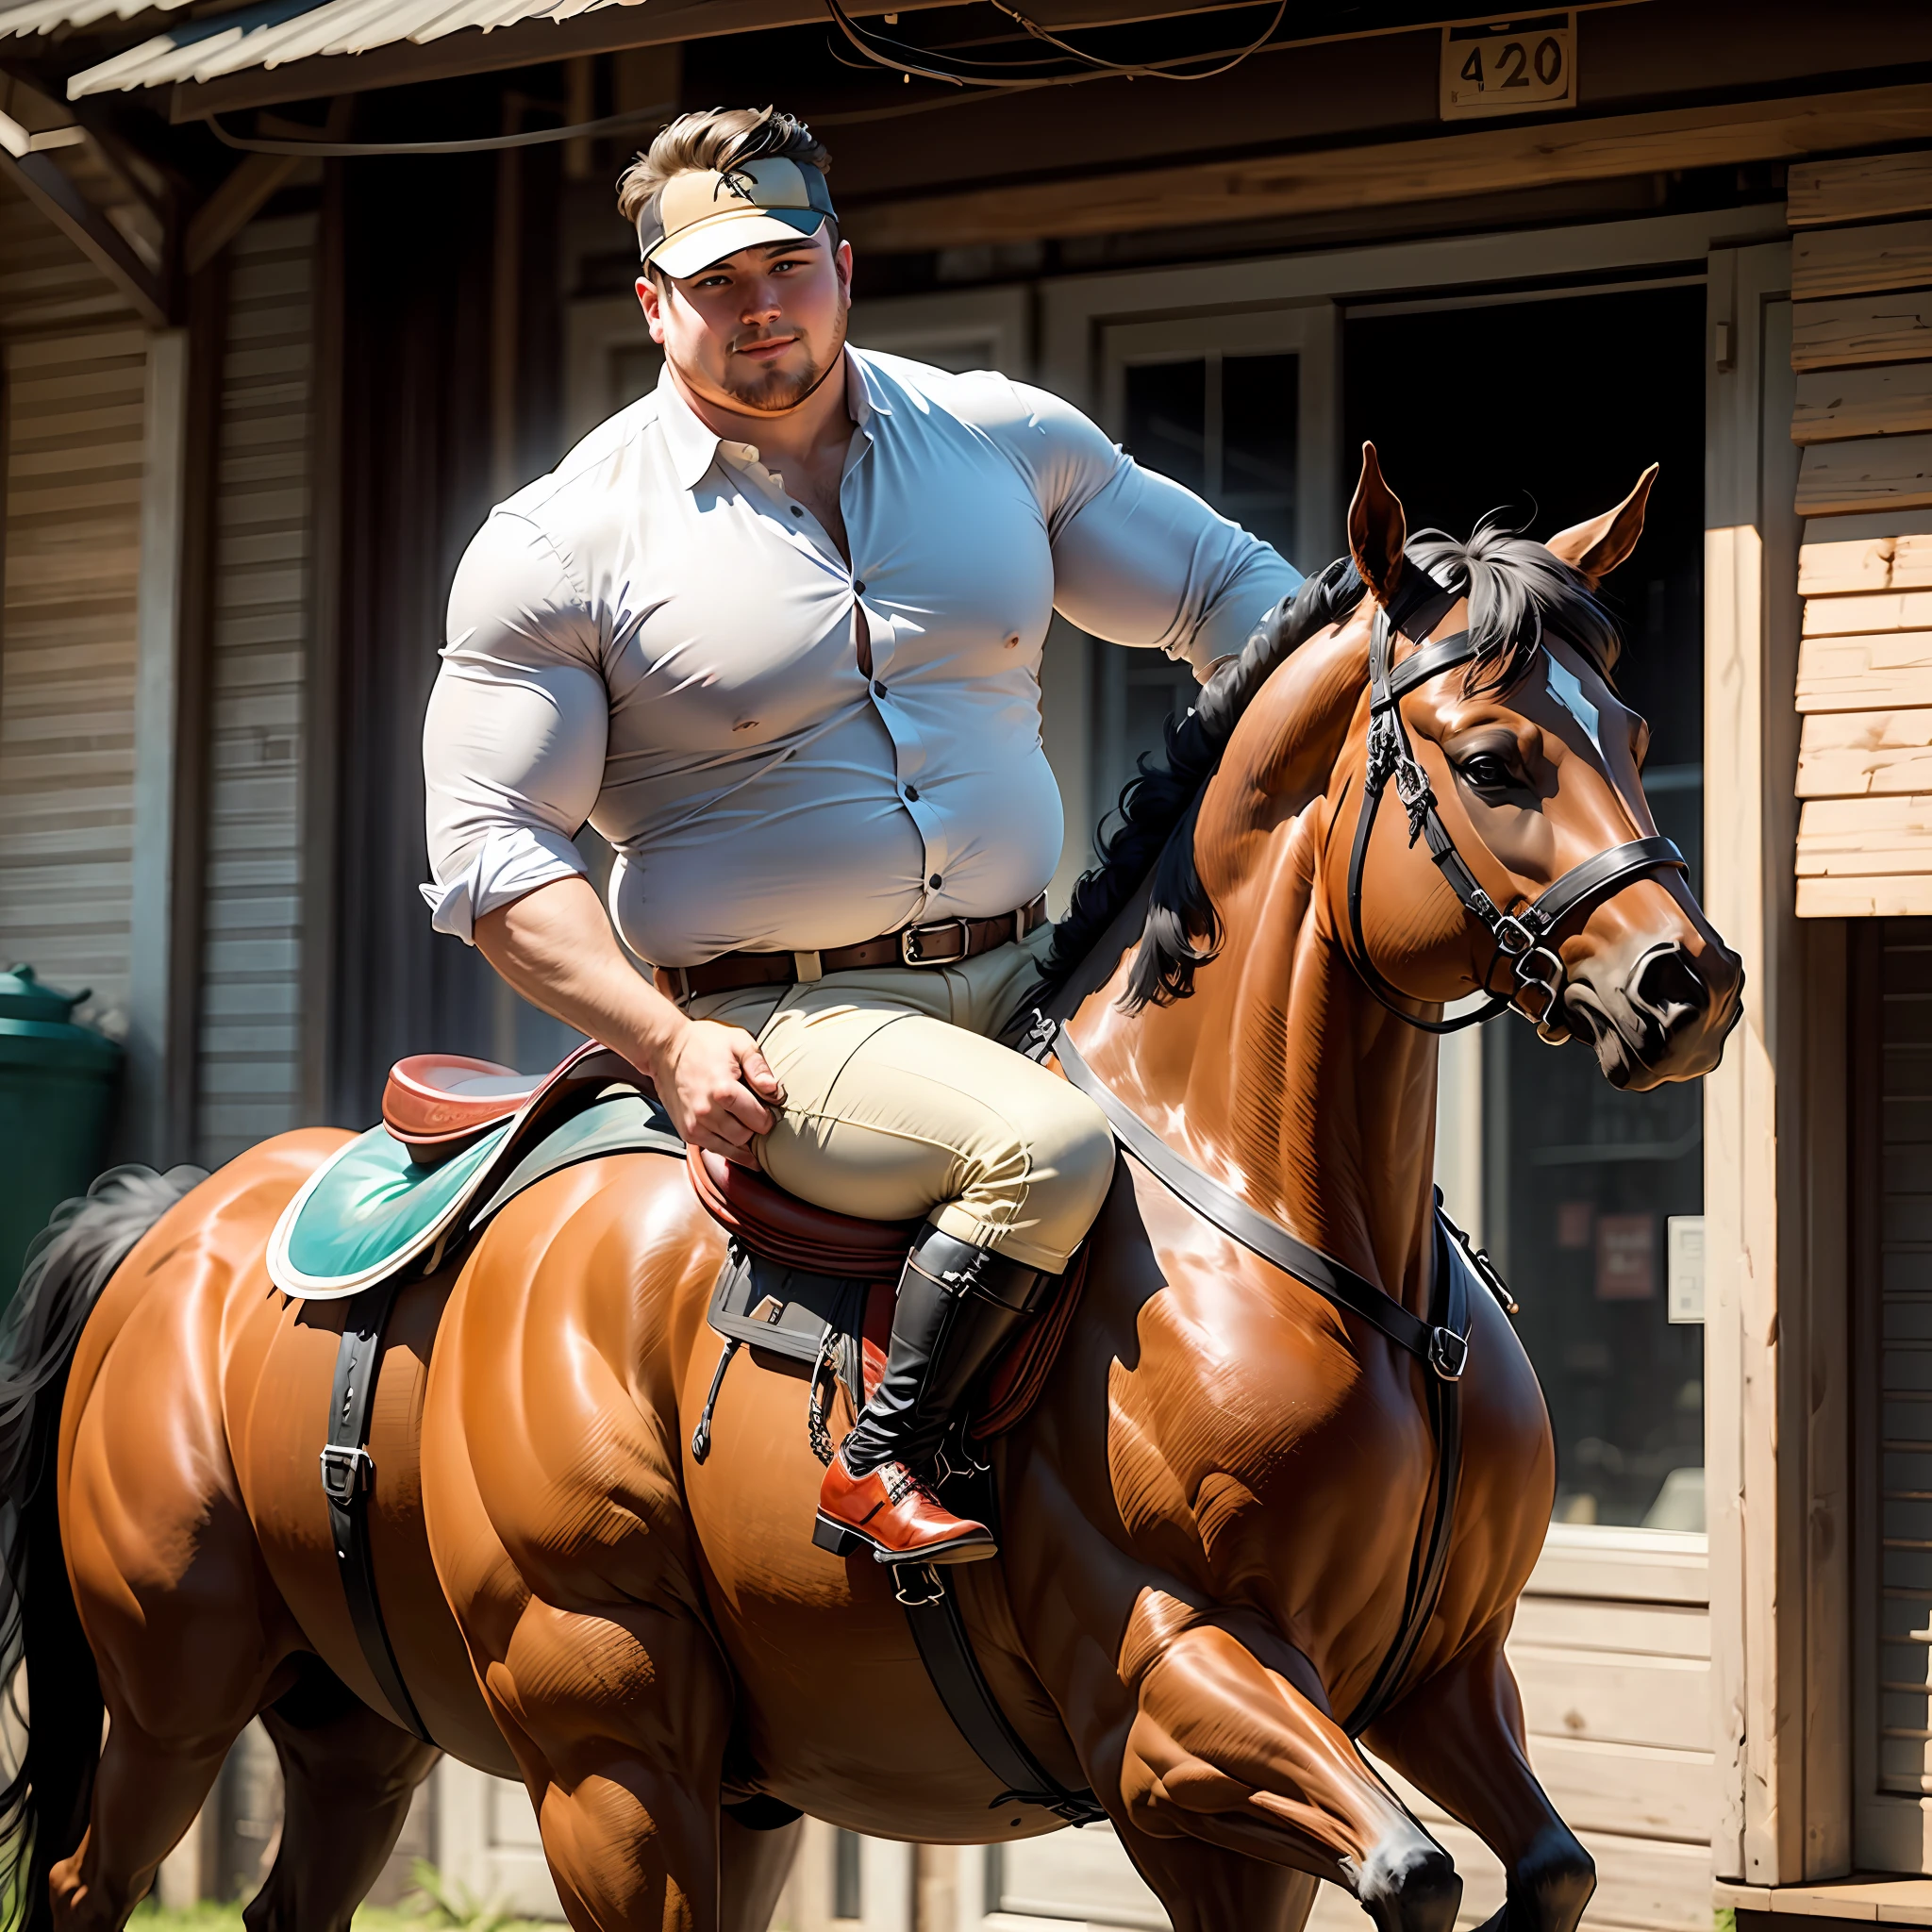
1668	987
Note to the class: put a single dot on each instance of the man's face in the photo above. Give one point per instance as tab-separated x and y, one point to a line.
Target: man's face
757	331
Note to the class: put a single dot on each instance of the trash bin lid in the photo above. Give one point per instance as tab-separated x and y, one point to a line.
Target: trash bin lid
22	997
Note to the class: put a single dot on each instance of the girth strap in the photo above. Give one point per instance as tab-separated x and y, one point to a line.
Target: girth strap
348	1474
939	1630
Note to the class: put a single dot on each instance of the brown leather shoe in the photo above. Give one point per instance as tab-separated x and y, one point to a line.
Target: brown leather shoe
891	1512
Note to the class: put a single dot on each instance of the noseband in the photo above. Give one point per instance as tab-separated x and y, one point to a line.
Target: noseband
1521	938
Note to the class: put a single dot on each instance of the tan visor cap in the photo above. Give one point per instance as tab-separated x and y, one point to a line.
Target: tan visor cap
702	217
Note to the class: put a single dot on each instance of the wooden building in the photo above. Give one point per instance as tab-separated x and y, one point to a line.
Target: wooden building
255	403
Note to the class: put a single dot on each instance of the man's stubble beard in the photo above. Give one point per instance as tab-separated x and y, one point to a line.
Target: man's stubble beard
773	394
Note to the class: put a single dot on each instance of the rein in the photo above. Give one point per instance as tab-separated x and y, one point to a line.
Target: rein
1521	938
1440	1344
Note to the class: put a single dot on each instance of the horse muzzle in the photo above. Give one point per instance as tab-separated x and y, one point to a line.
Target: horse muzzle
1664	1016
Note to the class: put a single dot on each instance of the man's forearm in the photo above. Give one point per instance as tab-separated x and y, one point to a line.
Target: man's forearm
556	947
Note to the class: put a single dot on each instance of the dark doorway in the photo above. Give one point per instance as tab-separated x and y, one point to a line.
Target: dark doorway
1549	409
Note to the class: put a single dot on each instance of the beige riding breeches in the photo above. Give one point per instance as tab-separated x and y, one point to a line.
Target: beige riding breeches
898	1107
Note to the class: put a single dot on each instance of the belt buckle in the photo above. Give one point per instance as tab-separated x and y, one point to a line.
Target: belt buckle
346	1472
912	939
1448	1353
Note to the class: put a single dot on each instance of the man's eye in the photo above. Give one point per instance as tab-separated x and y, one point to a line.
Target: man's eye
1487	772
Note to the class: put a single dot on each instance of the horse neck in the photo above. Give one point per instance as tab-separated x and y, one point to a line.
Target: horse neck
1282	1075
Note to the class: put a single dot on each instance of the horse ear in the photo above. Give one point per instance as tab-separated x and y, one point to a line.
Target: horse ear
1377	530
1594	549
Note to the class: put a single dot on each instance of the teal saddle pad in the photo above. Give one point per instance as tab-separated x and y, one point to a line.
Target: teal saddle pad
369	1210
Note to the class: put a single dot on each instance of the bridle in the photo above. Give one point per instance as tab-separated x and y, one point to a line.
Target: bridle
1522	937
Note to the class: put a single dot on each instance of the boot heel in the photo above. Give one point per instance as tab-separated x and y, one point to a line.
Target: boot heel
835	1537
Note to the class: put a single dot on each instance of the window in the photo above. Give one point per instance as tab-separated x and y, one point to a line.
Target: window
1469	409
1216	406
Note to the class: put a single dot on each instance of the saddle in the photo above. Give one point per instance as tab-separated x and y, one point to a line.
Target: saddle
459	1137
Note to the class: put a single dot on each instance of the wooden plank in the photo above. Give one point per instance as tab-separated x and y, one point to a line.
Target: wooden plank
1887	610
1904	896
1865	563
1859	754
1875	472
1865	838
1888	399
1379	175
1633	1788
1879	672
1628	1629
1855	329
1621	1565
1863	188
1855	261
1618	1699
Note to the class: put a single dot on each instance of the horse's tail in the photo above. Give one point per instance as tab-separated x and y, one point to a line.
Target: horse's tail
43	1802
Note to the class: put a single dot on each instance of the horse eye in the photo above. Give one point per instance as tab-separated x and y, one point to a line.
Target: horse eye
1487	772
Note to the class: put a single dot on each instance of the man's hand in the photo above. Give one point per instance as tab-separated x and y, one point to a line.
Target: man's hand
714	1083
556	947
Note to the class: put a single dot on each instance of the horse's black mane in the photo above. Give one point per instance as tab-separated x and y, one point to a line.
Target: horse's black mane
1516	590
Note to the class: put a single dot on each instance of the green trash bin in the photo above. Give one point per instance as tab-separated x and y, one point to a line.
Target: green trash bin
56	1093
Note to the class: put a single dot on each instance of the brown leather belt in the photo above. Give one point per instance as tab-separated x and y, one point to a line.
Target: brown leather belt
945	942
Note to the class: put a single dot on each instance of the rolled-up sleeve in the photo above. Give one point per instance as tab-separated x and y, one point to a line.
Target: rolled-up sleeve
1138	559
514	743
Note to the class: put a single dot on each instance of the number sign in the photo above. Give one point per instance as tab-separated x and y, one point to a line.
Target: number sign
1509	67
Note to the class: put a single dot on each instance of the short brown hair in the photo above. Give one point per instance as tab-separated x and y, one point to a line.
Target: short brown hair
714	140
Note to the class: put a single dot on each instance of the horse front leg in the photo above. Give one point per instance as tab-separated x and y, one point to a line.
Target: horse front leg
1231	1749
1459	1736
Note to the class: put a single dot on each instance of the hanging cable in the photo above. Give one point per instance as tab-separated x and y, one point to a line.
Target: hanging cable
349	150
902	56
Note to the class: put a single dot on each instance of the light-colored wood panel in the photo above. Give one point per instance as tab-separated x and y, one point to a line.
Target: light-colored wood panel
1573	1694
1629	1788
1621	1565
1866	187
1678	1630
1888	399
1861	261
1865	838
1867	563
1861	328
1872	672
1877	473
1853	753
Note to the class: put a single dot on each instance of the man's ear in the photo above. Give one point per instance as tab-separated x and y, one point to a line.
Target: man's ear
649	300
1594	549
1377	530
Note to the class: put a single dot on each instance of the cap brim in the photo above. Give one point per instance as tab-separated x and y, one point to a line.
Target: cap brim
698	247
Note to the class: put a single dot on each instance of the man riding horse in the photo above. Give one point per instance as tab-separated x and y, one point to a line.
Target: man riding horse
776	631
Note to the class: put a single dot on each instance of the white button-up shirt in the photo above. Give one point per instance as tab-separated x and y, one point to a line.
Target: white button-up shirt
658	639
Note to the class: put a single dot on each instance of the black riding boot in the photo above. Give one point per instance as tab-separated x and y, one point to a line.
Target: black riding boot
958	1307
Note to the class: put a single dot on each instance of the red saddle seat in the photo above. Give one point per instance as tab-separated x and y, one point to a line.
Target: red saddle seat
791	1232
438	1101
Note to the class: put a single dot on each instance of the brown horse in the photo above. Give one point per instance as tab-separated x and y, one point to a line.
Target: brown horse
1209	1521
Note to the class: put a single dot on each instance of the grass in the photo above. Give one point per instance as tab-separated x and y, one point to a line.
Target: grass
438	1904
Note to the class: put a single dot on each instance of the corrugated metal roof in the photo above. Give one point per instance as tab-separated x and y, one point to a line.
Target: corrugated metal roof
285	31
44	16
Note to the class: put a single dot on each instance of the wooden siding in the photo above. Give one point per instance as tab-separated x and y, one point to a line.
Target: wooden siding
249	1056
1861	342
72	373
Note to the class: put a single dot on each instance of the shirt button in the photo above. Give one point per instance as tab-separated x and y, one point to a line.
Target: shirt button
797	510
935	882
859	588
912	792
878	689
